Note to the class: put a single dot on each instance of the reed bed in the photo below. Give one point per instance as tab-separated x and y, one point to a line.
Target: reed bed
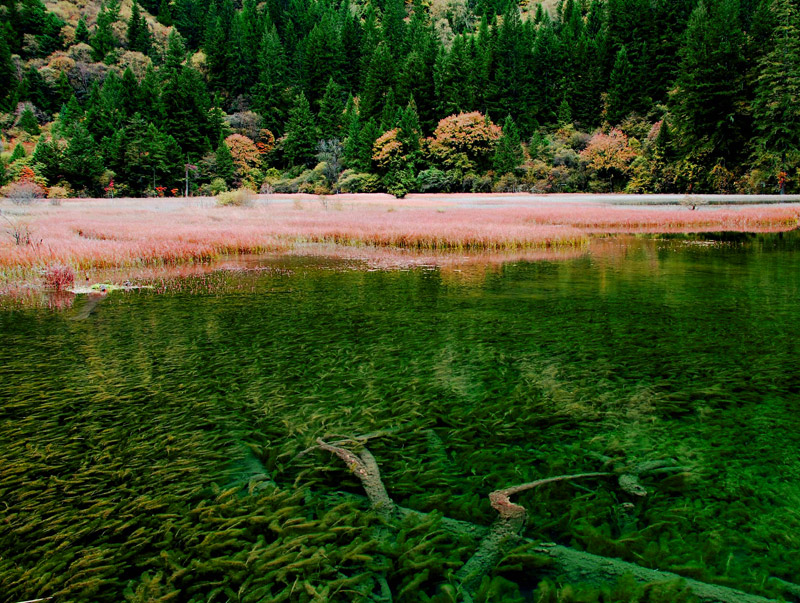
99	234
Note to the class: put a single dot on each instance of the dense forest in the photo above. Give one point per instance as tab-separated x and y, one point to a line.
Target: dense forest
152	97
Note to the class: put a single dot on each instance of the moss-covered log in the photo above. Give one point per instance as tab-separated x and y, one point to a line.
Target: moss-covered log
570	564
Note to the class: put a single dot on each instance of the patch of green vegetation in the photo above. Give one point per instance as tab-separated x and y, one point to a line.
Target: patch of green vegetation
150	452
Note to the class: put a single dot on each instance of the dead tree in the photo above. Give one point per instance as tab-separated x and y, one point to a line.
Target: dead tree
577	566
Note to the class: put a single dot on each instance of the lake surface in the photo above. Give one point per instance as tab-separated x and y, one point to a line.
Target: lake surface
148	440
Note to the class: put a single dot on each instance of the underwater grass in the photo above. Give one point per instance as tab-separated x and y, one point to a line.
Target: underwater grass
148	448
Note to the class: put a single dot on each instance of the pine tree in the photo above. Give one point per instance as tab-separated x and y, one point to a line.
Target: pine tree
331	110
139	37
8	75
103	40
225	166
776	109
300	142
17	153
28	122
165	13
709	98
83	164
379	79
621	90
409	131
82	31
508	155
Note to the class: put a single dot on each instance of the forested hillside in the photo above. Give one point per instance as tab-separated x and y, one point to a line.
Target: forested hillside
124	98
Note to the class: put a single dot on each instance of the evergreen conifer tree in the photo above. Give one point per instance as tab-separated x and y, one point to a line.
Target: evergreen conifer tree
28	122
776	109
331	109
225	166
82	31
508	154
17	153
103	40
300	142
165	13
83	164
709	98
139	37
8	75
621	90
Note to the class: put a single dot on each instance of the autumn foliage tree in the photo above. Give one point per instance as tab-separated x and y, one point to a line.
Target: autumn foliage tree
610	155
465	141
245	154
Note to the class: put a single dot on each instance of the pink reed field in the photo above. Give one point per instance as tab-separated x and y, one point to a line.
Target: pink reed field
131	233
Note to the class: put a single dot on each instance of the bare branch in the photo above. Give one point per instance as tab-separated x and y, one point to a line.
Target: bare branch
365	468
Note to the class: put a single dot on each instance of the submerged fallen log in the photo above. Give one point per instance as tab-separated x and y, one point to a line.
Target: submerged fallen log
573	565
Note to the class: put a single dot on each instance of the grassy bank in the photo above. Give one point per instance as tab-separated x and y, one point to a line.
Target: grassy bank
105	233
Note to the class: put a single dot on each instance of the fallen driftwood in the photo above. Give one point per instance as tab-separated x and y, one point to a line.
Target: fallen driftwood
575	566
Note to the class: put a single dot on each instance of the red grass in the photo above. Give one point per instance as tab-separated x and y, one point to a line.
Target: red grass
120	233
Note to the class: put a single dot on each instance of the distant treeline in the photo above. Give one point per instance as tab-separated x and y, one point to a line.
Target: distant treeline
324	95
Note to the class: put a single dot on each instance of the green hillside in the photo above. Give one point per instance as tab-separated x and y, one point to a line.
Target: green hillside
386	95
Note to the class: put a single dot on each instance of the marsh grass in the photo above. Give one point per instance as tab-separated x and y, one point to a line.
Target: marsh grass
105	234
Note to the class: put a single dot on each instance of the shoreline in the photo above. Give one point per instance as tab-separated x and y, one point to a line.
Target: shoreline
88	236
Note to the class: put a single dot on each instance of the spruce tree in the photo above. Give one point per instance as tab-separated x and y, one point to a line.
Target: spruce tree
709	98
409	131
17	153
64	91
68	117
268	93
139	37
776	109
82	31
165	13
103	40
33	88
352	144
621	90
300	142
508	155
8	75
331	110
48	158
379	79
28	122
225	166
83	164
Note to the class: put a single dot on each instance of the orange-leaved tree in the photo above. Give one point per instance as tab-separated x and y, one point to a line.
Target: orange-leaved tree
465	141
610	155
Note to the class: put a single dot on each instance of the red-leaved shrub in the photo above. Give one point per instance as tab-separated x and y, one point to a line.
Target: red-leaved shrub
58	277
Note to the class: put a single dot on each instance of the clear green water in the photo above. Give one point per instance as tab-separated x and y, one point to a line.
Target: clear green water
138	435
